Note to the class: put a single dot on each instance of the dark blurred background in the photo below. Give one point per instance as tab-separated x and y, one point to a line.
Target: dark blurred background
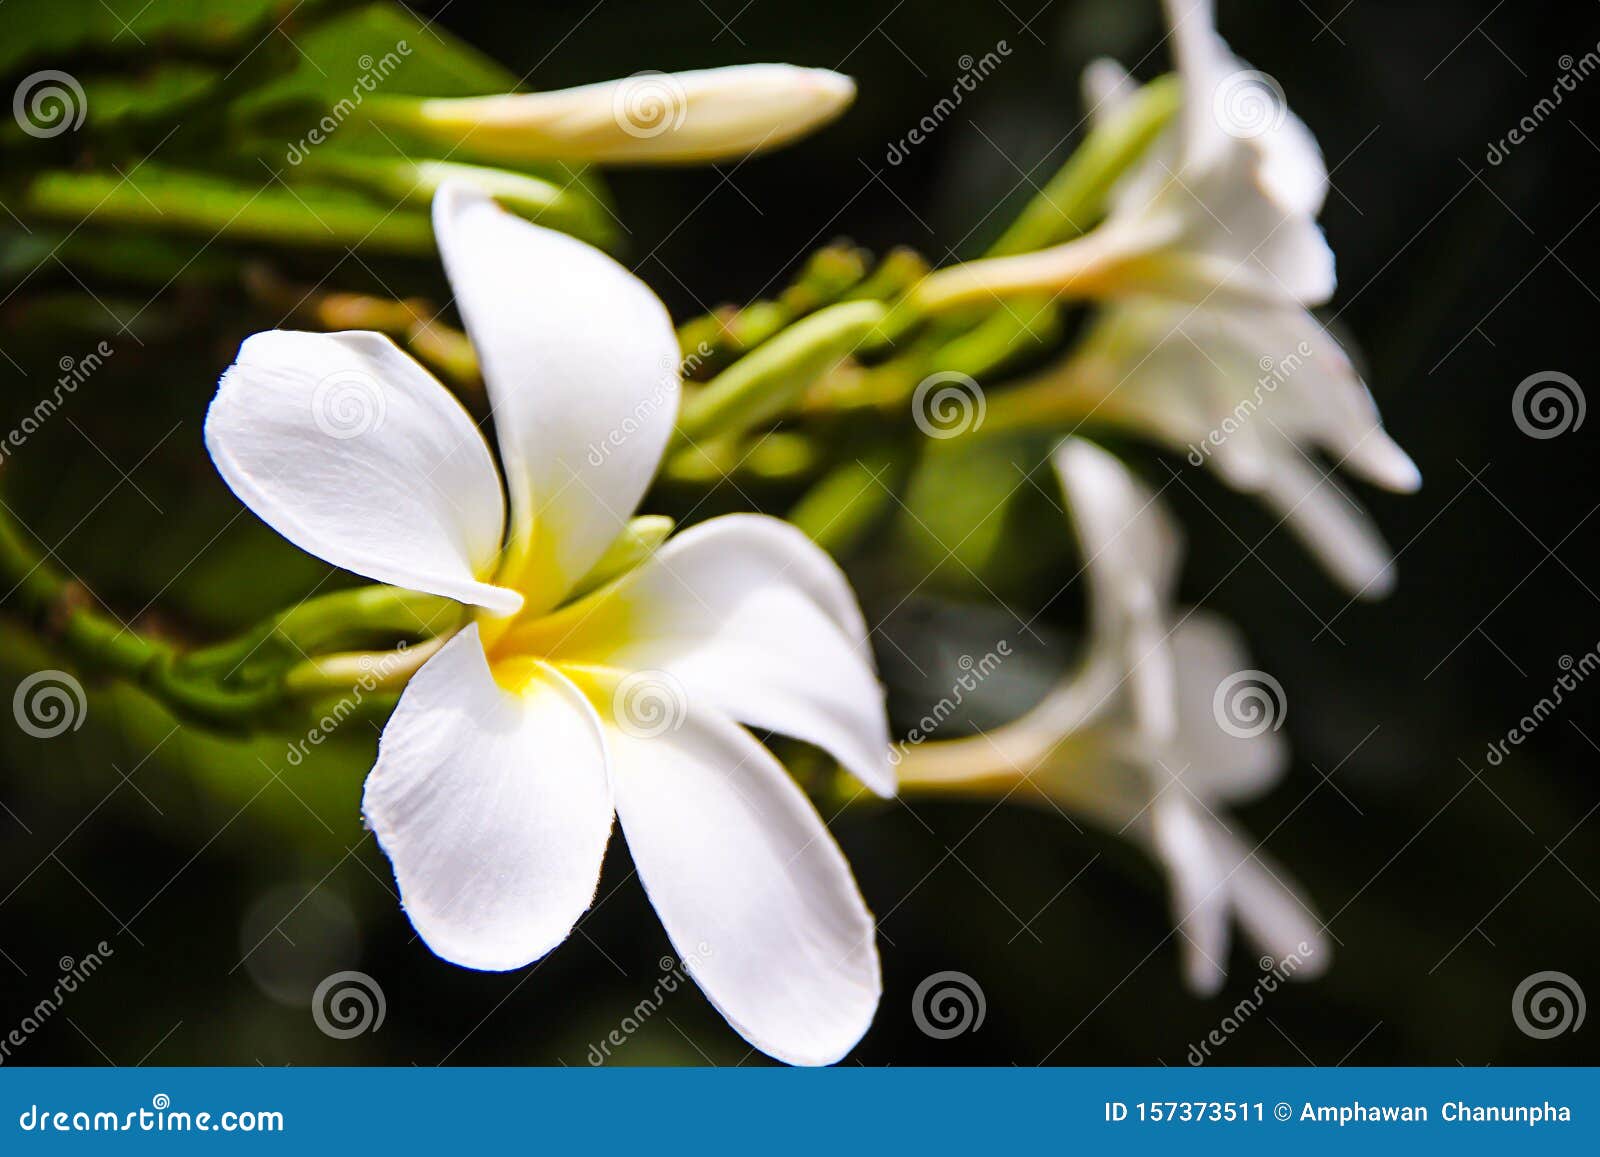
228	883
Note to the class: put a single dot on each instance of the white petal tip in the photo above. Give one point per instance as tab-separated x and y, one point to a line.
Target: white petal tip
496	600
1392	468
452	197
1380	585
1204	978
476	956
1315	964
883	784
880	776
834	87
1106	84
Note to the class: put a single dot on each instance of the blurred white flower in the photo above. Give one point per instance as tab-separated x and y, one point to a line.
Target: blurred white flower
511	749
705	115
1206	262
1135	741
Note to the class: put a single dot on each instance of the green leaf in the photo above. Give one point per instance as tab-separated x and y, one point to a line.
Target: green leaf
162	92
977	517
50	30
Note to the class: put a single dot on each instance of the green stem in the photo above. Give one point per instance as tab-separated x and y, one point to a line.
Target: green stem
832	273
1075	197
570	209
769	380
233	686
207	206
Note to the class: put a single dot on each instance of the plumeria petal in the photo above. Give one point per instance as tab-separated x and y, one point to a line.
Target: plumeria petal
1107	87
1319	396
1226	766
1199	881
354	453
1126	533
1278	920
754	893
493	805
1331	524
1251	392
1131	550
1251	179
1290	164
754	620
581	363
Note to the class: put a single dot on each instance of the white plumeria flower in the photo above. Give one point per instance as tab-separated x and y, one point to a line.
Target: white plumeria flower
498	773
1227	365
1207	261
1135	741
705	115
1225	203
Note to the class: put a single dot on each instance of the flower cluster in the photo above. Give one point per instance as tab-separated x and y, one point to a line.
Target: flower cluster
600	669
